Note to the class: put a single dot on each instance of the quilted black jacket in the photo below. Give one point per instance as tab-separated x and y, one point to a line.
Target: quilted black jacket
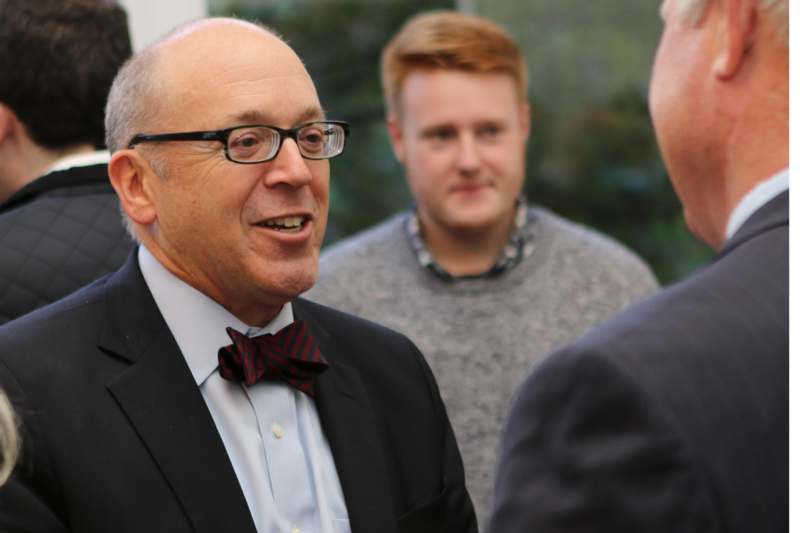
58	233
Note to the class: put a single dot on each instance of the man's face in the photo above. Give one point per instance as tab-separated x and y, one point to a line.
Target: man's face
230	229
683	111
461	137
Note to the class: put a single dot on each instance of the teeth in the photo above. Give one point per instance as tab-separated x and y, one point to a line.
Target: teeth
285	223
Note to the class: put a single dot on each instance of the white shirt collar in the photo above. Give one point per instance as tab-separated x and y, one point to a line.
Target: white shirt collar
80	160
755	199
196	321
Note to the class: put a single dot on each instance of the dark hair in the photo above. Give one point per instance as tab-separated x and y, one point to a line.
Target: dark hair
57	61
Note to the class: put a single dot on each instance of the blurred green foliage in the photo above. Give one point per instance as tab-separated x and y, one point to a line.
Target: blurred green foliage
592	155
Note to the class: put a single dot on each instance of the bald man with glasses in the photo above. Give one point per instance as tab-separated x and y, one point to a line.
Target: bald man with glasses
192	390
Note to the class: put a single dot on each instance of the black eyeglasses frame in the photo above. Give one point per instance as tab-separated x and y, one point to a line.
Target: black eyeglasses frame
223	135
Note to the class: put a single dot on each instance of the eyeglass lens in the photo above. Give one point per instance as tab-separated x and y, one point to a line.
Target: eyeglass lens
318	140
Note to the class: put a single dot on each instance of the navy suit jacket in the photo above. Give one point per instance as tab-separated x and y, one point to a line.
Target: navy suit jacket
672	417
118	437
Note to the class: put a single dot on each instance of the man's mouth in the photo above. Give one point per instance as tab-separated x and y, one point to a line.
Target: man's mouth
292	224
469	187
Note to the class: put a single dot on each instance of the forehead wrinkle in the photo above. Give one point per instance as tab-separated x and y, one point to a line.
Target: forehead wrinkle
254	116
255	69
255	84
243	79
191	81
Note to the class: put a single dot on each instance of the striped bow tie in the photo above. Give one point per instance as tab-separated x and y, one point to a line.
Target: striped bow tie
291	355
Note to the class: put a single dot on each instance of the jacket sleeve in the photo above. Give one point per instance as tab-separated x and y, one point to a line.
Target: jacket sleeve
585	449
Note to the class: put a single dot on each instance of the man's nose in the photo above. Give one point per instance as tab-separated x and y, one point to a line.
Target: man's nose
289	167
468	158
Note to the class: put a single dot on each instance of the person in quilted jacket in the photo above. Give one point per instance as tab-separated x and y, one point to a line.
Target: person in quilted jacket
60	226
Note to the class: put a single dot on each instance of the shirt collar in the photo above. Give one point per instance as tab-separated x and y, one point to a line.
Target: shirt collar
755	199
517	248
80	160
196	321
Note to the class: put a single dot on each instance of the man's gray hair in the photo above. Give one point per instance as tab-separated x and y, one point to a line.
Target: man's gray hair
132	101
777	11
132	105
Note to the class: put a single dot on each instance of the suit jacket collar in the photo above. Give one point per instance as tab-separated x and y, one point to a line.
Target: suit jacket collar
201	333
161	400
353	433
773	214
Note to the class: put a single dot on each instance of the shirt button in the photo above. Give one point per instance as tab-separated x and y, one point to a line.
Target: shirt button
277	430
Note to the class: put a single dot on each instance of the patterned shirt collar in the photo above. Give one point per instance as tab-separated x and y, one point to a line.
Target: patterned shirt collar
517	248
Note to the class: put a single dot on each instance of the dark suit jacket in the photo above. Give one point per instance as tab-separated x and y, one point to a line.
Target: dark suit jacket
57	234
673	417
118	437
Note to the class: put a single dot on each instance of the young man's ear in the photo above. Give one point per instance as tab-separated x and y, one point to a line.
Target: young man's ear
525	111
395	130
737	31
132	179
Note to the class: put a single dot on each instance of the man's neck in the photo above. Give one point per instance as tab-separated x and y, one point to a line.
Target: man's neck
467	253
258	315
755	138
748	165
25	165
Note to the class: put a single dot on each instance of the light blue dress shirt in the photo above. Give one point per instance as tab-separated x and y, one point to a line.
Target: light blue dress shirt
755	199
270	430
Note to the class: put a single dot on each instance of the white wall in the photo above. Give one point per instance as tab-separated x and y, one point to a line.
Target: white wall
150	19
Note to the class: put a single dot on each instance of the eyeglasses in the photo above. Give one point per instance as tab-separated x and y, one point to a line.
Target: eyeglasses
256	143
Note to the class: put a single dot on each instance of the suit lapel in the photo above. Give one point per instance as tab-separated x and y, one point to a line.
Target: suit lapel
353	435
161	400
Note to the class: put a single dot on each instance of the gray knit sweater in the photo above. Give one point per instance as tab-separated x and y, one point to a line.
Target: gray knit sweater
481	336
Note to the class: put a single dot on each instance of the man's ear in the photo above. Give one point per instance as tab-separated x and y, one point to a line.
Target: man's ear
738	20
395	130
525	112
132	179
8	119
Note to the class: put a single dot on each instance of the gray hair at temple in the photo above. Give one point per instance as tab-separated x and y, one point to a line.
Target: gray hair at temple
776	11
132	104
9	439
132	101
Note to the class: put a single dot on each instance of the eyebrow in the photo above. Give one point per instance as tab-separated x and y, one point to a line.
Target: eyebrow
258	117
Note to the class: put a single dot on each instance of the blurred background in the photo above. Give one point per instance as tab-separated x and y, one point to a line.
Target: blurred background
592	155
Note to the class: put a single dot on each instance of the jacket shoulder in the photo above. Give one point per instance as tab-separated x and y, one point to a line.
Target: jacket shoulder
334	320
600	248
51	329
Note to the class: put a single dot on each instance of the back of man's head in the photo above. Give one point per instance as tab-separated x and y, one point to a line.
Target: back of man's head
776	11
449	40
719	99
57	61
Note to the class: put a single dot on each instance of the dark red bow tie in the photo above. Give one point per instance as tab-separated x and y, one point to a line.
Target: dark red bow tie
290	355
